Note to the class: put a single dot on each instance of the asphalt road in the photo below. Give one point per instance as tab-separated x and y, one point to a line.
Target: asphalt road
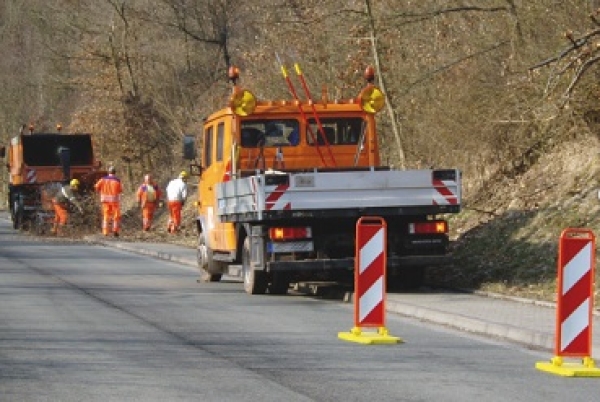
81	322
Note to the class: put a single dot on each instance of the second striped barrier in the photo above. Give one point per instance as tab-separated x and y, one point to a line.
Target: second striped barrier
575	301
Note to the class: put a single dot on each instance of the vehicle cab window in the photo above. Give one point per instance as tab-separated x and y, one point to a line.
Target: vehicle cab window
270	133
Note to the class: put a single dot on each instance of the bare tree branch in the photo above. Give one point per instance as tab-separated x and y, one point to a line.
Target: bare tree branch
414	18
579	74
575	44
445	67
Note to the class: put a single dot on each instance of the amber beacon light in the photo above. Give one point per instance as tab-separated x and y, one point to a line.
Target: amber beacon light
242	101
371	98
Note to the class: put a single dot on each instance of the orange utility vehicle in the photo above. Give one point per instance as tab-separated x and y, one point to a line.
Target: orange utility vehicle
283	183
38	163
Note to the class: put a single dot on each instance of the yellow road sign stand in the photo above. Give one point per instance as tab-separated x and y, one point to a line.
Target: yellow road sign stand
557	366
381	337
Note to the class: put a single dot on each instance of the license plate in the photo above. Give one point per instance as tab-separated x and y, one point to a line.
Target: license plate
290	247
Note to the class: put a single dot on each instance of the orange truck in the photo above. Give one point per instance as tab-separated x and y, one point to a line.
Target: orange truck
282	184
38	162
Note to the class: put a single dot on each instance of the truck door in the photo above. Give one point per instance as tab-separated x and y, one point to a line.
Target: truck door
217	142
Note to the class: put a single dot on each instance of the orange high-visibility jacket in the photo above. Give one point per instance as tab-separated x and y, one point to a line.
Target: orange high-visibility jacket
142	193
110	188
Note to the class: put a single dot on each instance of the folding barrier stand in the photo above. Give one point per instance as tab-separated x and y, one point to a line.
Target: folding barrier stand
575	306
369	284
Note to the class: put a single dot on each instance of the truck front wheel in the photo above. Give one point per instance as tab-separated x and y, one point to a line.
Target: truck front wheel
17	214
210	270
255	282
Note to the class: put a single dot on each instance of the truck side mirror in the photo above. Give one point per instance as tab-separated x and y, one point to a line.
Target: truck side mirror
2	152
195	169
189	147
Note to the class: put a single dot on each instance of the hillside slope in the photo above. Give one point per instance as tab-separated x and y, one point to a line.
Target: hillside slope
508	242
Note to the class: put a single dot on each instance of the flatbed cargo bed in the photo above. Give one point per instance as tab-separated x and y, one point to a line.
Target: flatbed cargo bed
284	195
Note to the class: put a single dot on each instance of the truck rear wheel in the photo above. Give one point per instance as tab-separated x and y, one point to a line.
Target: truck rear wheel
280	283
210	270
255	282
38	224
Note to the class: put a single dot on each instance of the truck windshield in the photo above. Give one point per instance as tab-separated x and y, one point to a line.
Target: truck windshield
270	133
338	131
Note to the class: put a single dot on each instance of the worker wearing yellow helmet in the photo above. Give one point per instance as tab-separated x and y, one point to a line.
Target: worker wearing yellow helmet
177	193
63	198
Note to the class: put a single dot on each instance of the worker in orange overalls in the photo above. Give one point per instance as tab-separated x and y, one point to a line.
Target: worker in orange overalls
60	202
176	196
110	190
148	197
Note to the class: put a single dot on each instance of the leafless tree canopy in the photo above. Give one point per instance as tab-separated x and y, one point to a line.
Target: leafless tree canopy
483	86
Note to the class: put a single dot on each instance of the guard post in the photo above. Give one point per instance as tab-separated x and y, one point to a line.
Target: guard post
575	306
370	263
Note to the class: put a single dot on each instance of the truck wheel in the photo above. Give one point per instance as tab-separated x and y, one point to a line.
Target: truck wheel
280	284
38	224
17	217
210	270
255	282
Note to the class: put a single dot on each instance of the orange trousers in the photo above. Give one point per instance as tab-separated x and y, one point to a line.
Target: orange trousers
148	215
61	216
174	216
111	211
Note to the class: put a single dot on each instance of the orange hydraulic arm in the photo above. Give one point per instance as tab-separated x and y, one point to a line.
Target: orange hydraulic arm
302	114
308	95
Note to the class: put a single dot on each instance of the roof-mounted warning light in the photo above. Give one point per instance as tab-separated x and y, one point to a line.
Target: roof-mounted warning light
59	127
242	101
234	74
371	98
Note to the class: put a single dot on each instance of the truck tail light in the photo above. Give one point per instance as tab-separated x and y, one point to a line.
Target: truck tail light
430	227
290	233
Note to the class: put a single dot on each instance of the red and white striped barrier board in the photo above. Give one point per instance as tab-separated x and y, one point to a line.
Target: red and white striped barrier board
575	293
575	306
369	283
370	274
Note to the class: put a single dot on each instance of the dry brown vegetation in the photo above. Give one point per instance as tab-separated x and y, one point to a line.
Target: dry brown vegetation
505	90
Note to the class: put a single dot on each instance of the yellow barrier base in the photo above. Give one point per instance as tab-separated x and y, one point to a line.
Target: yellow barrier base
556	366
381	337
